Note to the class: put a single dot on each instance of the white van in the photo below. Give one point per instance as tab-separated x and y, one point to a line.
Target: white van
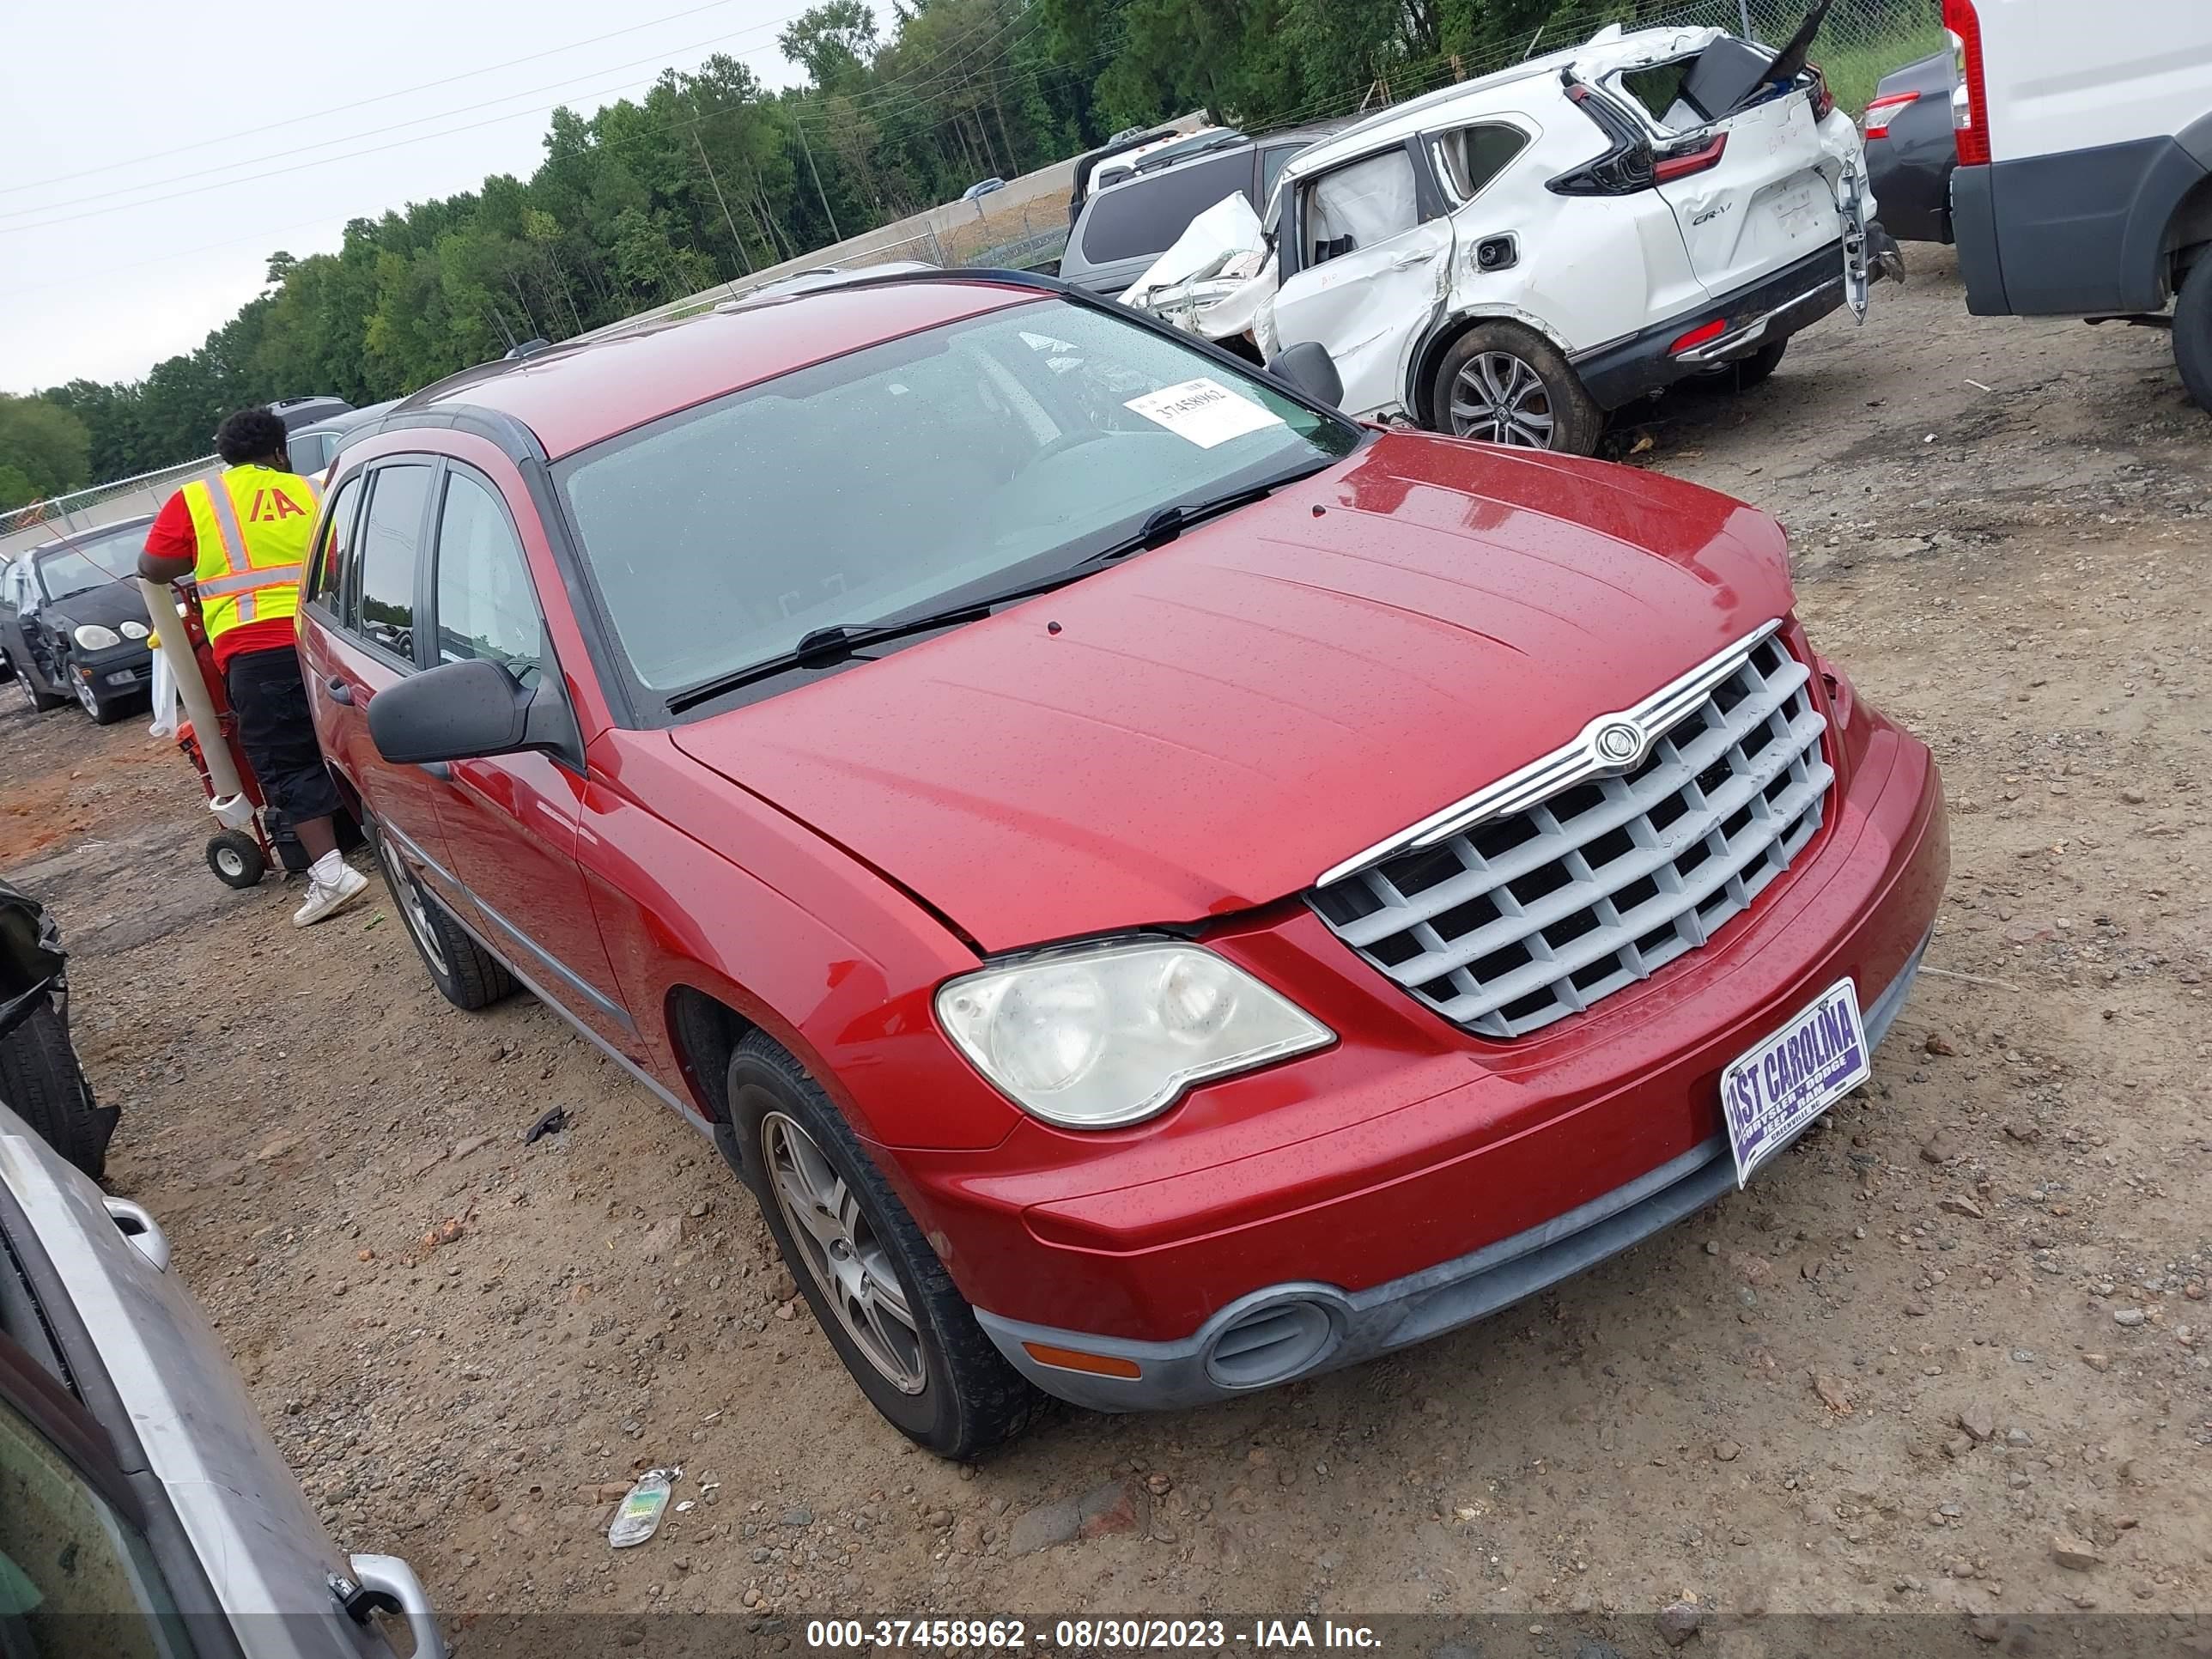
2084	185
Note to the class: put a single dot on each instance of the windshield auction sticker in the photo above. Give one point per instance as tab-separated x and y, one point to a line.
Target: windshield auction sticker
1204	412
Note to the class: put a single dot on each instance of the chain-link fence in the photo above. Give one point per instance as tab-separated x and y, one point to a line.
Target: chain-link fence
1859	42
104	503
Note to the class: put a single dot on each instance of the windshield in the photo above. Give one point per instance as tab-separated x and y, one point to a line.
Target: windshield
912	475
94	562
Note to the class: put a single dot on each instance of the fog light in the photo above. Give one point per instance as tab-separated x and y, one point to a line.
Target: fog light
123	676
1271	1343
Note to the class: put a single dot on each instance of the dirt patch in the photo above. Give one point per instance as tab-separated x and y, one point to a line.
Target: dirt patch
1962	1319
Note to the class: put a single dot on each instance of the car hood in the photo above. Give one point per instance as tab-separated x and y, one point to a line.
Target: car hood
1210	726
111	606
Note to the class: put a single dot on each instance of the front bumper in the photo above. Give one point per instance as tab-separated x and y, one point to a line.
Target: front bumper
1363	1324
1411	1178
113	674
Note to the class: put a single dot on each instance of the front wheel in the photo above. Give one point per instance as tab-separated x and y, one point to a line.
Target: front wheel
879	1293
466	975
2192	331
103	714
1504	384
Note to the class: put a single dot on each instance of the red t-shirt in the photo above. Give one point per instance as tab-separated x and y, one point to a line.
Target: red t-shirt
171	536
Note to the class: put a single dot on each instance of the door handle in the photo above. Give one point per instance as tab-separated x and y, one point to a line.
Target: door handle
137	1225
339	690
439	770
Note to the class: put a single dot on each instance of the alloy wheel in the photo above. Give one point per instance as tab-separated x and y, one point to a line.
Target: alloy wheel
848	1262
86	701
412	904
1499	399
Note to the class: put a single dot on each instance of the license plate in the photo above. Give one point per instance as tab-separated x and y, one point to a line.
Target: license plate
1769	1095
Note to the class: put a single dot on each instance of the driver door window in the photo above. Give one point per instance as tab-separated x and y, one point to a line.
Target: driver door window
1357	206
75	1578
486	606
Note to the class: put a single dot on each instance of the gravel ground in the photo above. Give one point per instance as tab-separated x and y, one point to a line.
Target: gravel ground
1949	1354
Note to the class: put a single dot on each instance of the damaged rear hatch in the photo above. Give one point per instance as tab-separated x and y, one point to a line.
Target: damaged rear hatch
1747	148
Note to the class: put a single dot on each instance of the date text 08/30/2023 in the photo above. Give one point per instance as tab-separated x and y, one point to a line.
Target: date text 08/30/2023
1088	1635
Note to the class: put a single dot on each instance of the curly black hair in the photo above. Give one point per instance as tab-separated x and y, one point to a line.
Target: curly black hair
252	434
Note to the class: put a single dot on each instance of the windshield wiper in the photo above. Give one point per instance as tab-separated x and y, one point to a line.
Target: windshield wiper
821	646
1168	522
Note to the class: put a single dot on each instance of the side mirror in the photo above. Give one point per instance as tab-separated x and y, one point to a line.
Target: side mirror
1308	368
466	710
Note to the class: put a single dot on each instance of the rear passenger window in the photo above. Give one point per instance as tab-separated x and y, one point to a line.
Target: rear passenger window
486	607
1360	205
390	544
1467	160
1272	162
1141	218
334	556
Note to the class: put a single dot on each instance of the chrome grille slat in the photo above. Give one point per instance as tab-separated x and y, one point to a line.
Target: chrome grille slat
1599	881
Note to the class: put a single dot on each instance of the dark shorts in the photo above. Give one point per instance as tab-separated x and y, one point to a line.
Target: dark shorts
278	734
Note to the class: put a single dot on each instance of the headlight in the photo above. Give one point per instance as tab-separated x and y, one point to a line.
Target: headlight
93	637
1097	1038
136	631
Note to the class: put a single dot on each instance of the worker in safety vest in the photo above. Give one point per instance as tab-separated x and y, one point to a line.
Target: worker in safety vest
243	535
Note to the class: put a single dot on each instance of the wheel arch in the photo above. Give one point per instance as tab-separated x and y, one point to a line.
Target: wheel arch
1444	335
2187	232
703	1033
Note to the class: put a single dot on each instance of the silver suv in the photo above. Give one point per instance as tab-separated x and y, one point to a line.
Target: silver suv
1125	226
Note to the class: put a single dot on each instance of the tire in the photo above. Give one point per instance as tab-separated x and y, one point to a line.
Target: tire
2192	331
1753	370
102	714
935	1377
466	975
40	1078
1502	367
26	676
236	858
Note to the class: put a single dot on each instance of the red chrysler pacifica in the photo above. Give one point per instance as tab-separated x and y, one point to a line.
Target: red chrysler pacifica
1160	889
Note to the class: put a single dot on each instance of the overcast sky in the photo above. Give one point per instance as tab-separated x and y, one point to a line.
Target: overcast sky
138	205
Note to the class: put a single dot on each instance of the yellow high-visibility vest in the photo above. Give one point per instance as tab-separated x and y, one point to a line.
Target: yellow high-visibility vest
251	524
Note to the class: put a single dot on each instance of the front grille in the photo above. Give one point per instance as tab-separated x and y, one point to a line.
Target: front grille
1520	921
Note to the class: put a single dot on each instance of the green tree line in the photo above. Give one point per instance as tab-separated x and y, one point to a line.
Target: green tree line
710	174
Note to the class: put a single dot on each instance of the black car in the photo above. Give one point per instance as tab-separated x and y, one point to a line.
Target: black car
1125	226
1910	150
73	623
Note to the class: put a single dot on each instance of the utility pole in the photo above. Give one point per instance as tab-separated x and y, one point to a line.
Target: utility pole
835	235
701	145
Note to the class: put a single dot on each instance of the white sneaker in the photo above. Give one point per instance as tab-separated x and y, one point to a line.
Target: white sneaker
324	900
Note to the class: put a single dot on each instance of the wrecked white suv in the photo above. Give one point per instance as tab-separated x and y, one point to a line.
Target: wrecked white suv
1513	258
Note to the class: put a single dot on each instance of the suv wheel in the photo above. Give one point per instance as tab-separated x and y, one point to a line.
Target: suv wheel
1504	384
2192	331
465	973
875	1288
